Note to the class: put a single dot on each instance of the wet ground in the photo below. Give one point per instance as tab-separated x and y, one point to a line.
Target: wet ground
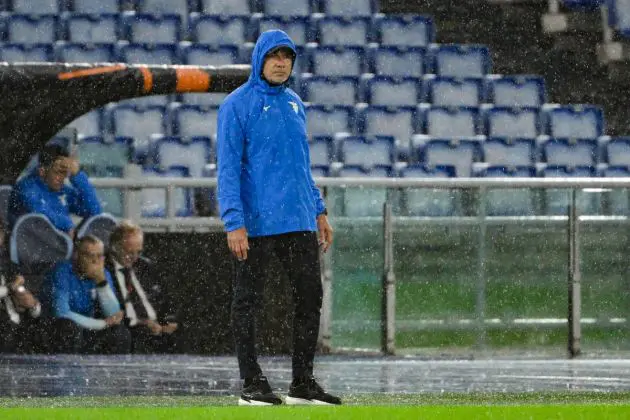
37	376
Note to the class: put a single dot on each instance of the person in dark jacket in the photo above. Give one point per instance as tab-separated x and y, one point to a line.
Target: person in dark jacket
269	203
44	191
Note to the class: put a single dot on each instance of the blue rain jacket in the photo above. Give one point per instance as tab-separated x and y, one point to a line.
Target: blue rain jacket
264	175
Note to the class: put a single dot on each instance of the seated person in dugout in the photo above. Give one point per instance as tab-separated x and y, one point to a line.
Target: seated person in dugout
150	332
78	298
44	191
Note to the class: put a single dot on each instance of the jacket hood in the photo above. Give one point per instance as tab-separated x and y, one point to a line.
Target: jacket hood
266	42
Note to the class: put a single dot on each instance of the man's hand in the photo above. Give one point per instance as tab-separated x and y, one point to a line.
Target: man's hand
115	319
169	328
22	298
237	242
72	165
325	232
154	327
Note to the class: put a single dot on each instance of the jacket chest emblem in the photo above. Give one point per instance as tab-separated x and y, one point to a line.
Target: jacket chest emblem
62	200
294	105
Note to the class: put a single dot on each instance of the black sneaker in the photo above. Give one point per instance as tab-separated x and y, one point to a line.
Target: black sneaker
306	391
258	392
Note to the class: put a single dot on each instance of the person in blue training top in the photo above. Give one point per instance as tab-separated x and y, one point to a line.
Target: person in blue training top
44	191
78	297
270	204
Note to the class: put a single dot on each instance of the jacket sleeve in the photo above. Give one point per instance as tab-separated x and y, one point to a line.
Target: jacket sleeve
83	201
61	303
230	144
107	299
320	205
32	202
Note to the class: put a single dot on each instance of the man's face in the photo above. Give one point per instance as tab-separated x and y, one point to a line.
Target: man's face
89	255
277	67
130	249
56	174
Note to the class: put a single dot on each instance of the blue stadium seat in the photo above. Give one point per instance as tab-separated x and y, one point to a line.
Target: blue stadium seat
193	153
367	151
516	91
441	122
322	119
324	90
5	193
93	29
147	101
348	7
460	60
619	16
205	55
570	152
154	199
575	121
164	7
288	7
136	122
557	200
158	29
203	99
583	4
85	53
361	202
509	152
147	53
321	151
618	198
94	7
397	61
405	30
32	29
103	158
617	151
429	202
460	154
399	122
320	171
343	30
100	225
449	91
219	30
390	91
36	7
36	245
512	122
90	124
193	121
508	201
297	27
336	61
16	53
226	7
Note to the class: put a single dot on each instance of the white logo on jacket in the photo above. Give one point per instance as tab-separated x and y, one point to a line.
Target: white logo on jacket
265	108
294	105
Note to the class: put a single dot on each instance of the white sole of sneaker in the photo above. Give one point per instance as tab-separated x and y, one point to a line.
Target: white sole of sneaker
301	401
253	402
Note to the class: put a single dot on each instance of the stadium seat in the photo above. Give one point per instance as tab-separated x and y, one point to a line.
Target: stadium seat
147	101
324	90
512	122
343	30
5	193
85	53
460	60
460	154
429	202
617	151
405	31
226	7
619	16
15	53
574	121
570	152
154	199
102	158
93	29
203	99
367	151
89	124
219	30
204	55
397	61
297	27
348	7
508	152
322	151
100	225
32	29
516	91
362	202
583	4
322	119
158	29
618	198
136	122
557	200
36	7
449	91
320	171
336	61
147	53
399	122
164	7
194	121
390	91
508	201
94	7
287	7
441	122
193	153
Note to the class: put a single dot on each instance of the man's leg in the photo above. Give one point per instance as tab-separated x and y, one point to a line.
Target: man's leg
7	333
112	340
67	337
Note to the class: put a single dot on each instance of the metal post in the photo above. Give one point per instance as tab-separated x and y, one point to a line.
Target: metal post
388	312
574	307
131	196
481	270
171	205
325	322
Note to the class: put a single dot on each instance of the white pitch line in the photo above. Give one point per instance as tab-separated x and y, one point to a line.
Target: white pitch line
564	378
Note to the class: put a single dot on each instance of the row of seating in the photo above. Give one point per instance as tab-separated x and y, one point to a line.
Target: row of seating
618	12
411	31
184	7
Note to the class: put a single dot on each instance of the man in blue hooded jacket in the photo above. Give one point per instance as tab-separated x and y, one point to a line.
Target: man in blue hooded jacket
270	204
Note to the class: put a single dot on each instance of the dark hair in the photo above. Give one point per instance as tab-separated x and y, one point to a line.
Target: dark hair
50	153
87	239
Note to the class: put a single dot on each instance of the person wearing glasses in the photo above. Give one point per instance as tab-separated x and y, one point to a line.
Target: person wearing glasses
141	300
79	300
